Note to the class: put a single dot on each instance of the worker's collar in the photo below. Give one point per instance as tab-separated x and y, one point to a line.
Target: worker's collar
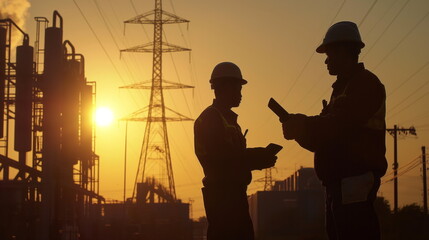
344	79
226	111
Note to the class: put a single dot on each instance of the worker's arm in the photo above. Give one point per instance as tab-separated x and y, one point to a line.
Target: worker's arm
218	153
348	116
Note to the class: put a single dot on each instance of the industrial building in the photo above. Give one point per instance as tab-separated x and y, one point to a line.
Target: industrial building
293	209
48	167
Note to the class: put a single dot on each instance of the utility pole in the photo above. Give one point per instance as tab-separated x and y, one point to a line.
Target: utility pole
394	132
425	189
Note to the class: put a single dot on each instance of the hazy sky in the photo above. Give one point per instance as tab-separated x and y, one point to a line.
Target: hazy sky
273	42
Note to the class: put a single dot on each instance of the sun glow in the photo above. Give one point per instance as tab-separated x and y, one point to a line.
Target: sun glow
103	116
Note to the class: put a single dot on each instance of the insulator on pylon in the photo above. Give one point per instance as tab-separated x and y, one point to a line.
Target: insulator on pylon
3	39
24	97
87	106
72	83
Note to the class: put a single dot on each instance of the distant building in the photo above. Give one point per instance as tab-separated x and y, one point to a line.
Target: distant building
146	219
294	209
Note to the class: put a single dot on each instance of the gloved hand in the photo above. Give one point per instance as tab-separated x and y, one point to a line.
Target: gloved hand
294	126
260	158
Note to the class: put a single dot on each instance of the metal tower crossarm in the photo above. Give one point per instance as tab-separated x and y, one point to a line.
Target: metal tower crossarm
148	85
148	48
167	18
136	116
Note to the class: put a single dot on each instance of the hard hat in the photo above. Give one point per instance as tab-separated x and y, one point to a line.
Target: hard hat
341	32
226	71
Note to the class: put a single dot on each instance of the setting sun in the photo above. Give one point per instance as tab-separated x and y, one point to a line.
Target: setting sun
103	116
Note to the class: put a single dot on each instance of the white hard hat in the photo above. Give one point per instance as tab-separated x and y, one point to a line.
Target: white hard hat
341	32
226	71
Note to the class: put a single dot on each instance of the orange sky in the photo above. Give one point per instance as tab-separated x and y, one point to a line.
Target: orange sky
273	42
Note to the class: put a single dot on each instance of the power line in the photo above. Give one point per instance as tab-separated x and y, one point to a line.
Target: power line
305	65
179	26
135	10
338	12
318	99
410	95
111	35
177	75
387	28
406	107
418	117
382	17
311	56
124	41
179	80
404	166
192	72
402	40
367	13
402	172
99	42
410	77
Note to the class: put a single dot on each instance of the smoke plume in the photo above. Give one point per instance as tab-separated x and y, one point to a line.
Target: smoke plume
17	11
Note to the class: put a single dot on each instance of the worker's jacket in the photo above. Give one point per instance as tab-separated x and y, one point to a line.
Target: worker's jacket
348	137
221	148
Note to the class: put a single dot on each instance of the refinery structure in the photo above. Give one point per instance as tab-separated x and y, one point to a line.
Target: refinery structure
49	170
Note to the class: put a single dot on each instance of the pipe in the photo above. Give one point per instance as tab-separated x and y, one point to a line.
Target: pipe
54	23
10	21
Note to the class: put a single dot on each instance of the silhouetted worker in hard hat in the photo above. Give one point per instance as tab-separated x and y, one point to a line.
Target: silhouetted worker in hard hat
227	163
347	137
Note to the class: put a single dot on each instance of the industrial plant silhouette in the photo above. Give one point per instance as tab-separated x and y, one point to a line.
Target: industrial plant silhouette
49	169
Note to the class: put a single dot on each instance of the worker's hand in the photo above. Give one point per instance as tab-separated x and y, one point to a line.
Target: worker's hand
269	162
294	126
260	158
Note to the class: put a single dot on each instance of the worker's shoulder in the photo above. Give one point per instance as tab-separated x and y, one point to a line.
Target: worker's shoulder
210	114
368	77
366	81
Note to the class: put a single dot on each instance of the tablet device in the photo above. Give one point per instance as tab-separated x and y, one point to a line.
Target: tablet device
278	109
274	148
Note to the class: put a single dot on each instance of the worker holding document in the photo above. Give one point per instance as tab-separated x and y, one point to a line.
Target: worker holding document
347	137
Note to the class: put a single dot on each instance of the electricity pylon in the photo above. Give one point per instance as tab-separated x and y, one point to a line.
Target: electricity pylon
268	180
155	160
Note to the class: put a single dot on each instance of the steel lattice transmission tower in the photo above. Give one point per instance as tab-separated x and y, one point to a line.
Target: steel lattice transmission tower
268	180
155	166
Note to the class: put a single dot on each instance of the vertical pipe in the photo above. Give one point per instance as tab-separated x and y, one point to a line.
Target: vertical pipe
86	108
3	39
395	169
52	74
72	82
24	97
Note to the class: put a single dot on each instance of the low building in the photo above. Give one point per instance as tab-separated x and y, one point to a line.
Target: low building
294	209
